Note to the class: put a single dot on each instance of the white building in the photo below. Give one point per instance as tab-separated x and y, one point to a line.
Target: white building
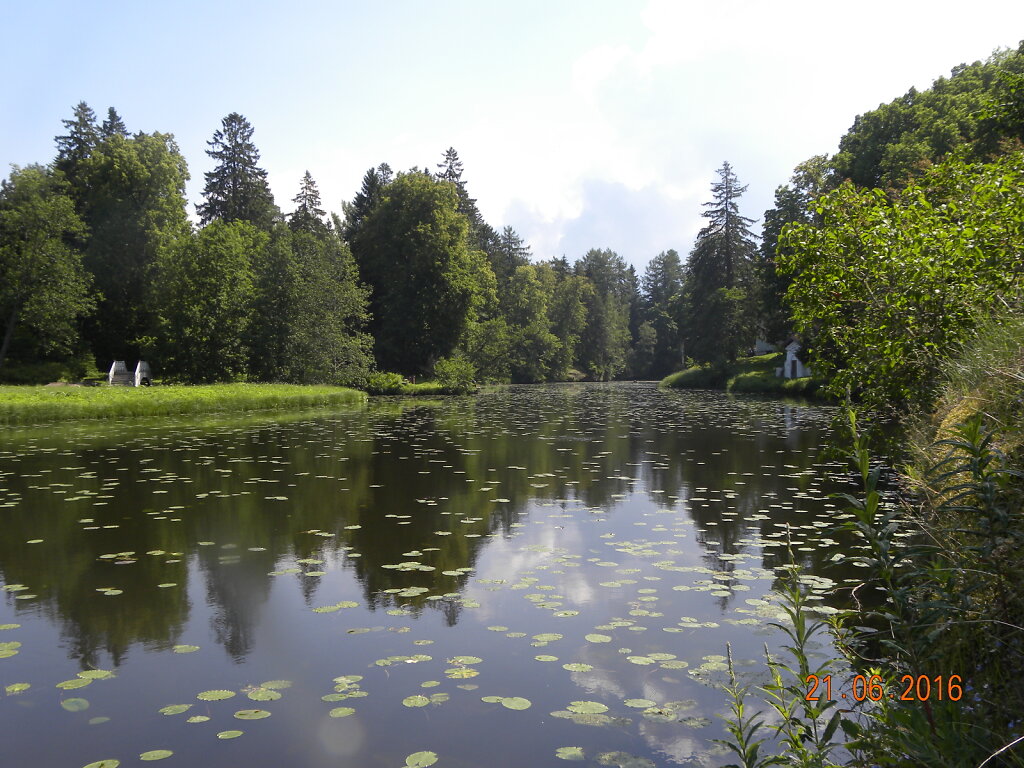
793	367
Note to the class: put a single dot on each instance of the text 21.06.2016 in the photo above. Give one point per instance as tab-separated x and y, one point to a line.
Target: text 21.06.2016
873	687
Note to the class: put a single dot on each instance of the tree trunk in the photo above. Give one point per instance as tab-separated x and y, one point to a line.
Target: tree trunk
8	334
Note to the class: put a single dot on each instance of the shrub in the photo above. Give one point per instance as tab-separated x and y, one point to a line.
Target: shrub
456	375
383	383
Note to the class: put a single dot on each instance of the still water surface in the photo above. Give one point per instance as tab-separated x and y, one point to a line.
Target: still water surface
490	579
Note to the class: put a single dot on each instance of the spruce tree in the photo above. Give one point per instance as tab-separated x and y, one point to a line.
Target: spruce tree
366	200
718	308
236	189
308	215
113	125
74	148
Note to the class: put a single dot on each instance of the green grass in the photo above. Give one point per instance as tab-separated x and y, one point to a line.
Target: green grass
747	374
33	405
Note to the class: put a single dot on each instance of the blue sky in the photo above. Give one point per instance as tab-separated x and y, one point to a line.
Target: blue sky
580	124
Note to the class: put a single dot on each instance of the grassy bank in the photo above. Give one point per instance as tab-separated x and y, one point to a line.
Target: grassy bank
33	405
946	558
747	374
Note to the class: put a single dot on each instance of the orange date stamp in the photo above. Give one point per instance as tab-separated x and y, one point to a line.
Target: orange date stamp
873	688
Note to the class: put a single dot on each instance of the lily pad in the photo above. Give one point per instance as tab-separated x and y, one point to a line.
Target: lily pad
596	638
251	714
198	719
639	703
156	754
275	685
75	682
577	666
341	712
14	688
420	759
175	709
185	648
467	660
515	702
415	701
587	708
229	734
569	753
103	764
458	673
216	695
263	694
75	705
95	674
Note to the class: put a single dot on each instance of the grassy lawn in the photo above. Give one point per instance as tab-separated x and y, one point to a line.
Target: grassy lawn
747	374
32	405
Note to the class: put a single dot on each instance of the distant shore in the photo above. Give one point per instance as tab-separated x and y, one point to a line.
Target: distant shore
755	375
41	404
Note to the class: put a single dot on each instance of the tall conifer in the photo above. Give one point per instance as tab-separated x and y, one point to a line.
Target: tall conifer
236	189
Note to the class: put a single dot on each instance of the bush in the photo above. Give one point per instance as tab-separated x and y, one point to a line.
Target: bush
456	375
383	383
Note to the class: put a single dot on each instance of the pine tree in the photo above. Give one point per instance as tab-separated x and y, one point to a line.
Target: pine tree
661	284
308	215
75	148
113	125
236	189
508	254
718	308
366	200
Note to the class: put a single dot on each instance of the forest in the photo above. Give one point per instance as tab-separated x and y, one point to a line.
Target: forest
100	261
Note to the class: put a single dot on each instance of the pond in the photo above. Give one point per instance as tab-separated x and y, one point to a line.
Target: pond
535	573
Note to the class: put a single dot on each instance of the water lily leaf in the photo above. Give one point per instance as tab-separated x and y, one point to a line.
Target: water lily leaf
275	685
198	719
185	648
577	666
639	703
251	714
216	695
459	673
341	712
587	708
175	709
641	660
103	764
624	760
229	734
95	674
491	699
98	720
75	682
516	702
596	638
545	657
263	694
547	637
415	701
569	753
156	754
75	705
420	759
466	660
14	688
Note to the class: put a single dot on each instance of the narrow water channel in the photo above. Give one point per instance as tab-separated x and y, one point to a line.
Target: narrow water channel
536	573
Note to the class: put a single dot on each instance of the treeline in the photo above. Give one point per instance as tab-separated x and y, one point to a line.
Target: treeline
882	258
895	253
100	262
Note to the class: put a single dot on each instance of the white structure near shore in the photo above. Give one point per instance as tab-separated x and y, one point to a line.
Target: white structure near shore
793	367
119	375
